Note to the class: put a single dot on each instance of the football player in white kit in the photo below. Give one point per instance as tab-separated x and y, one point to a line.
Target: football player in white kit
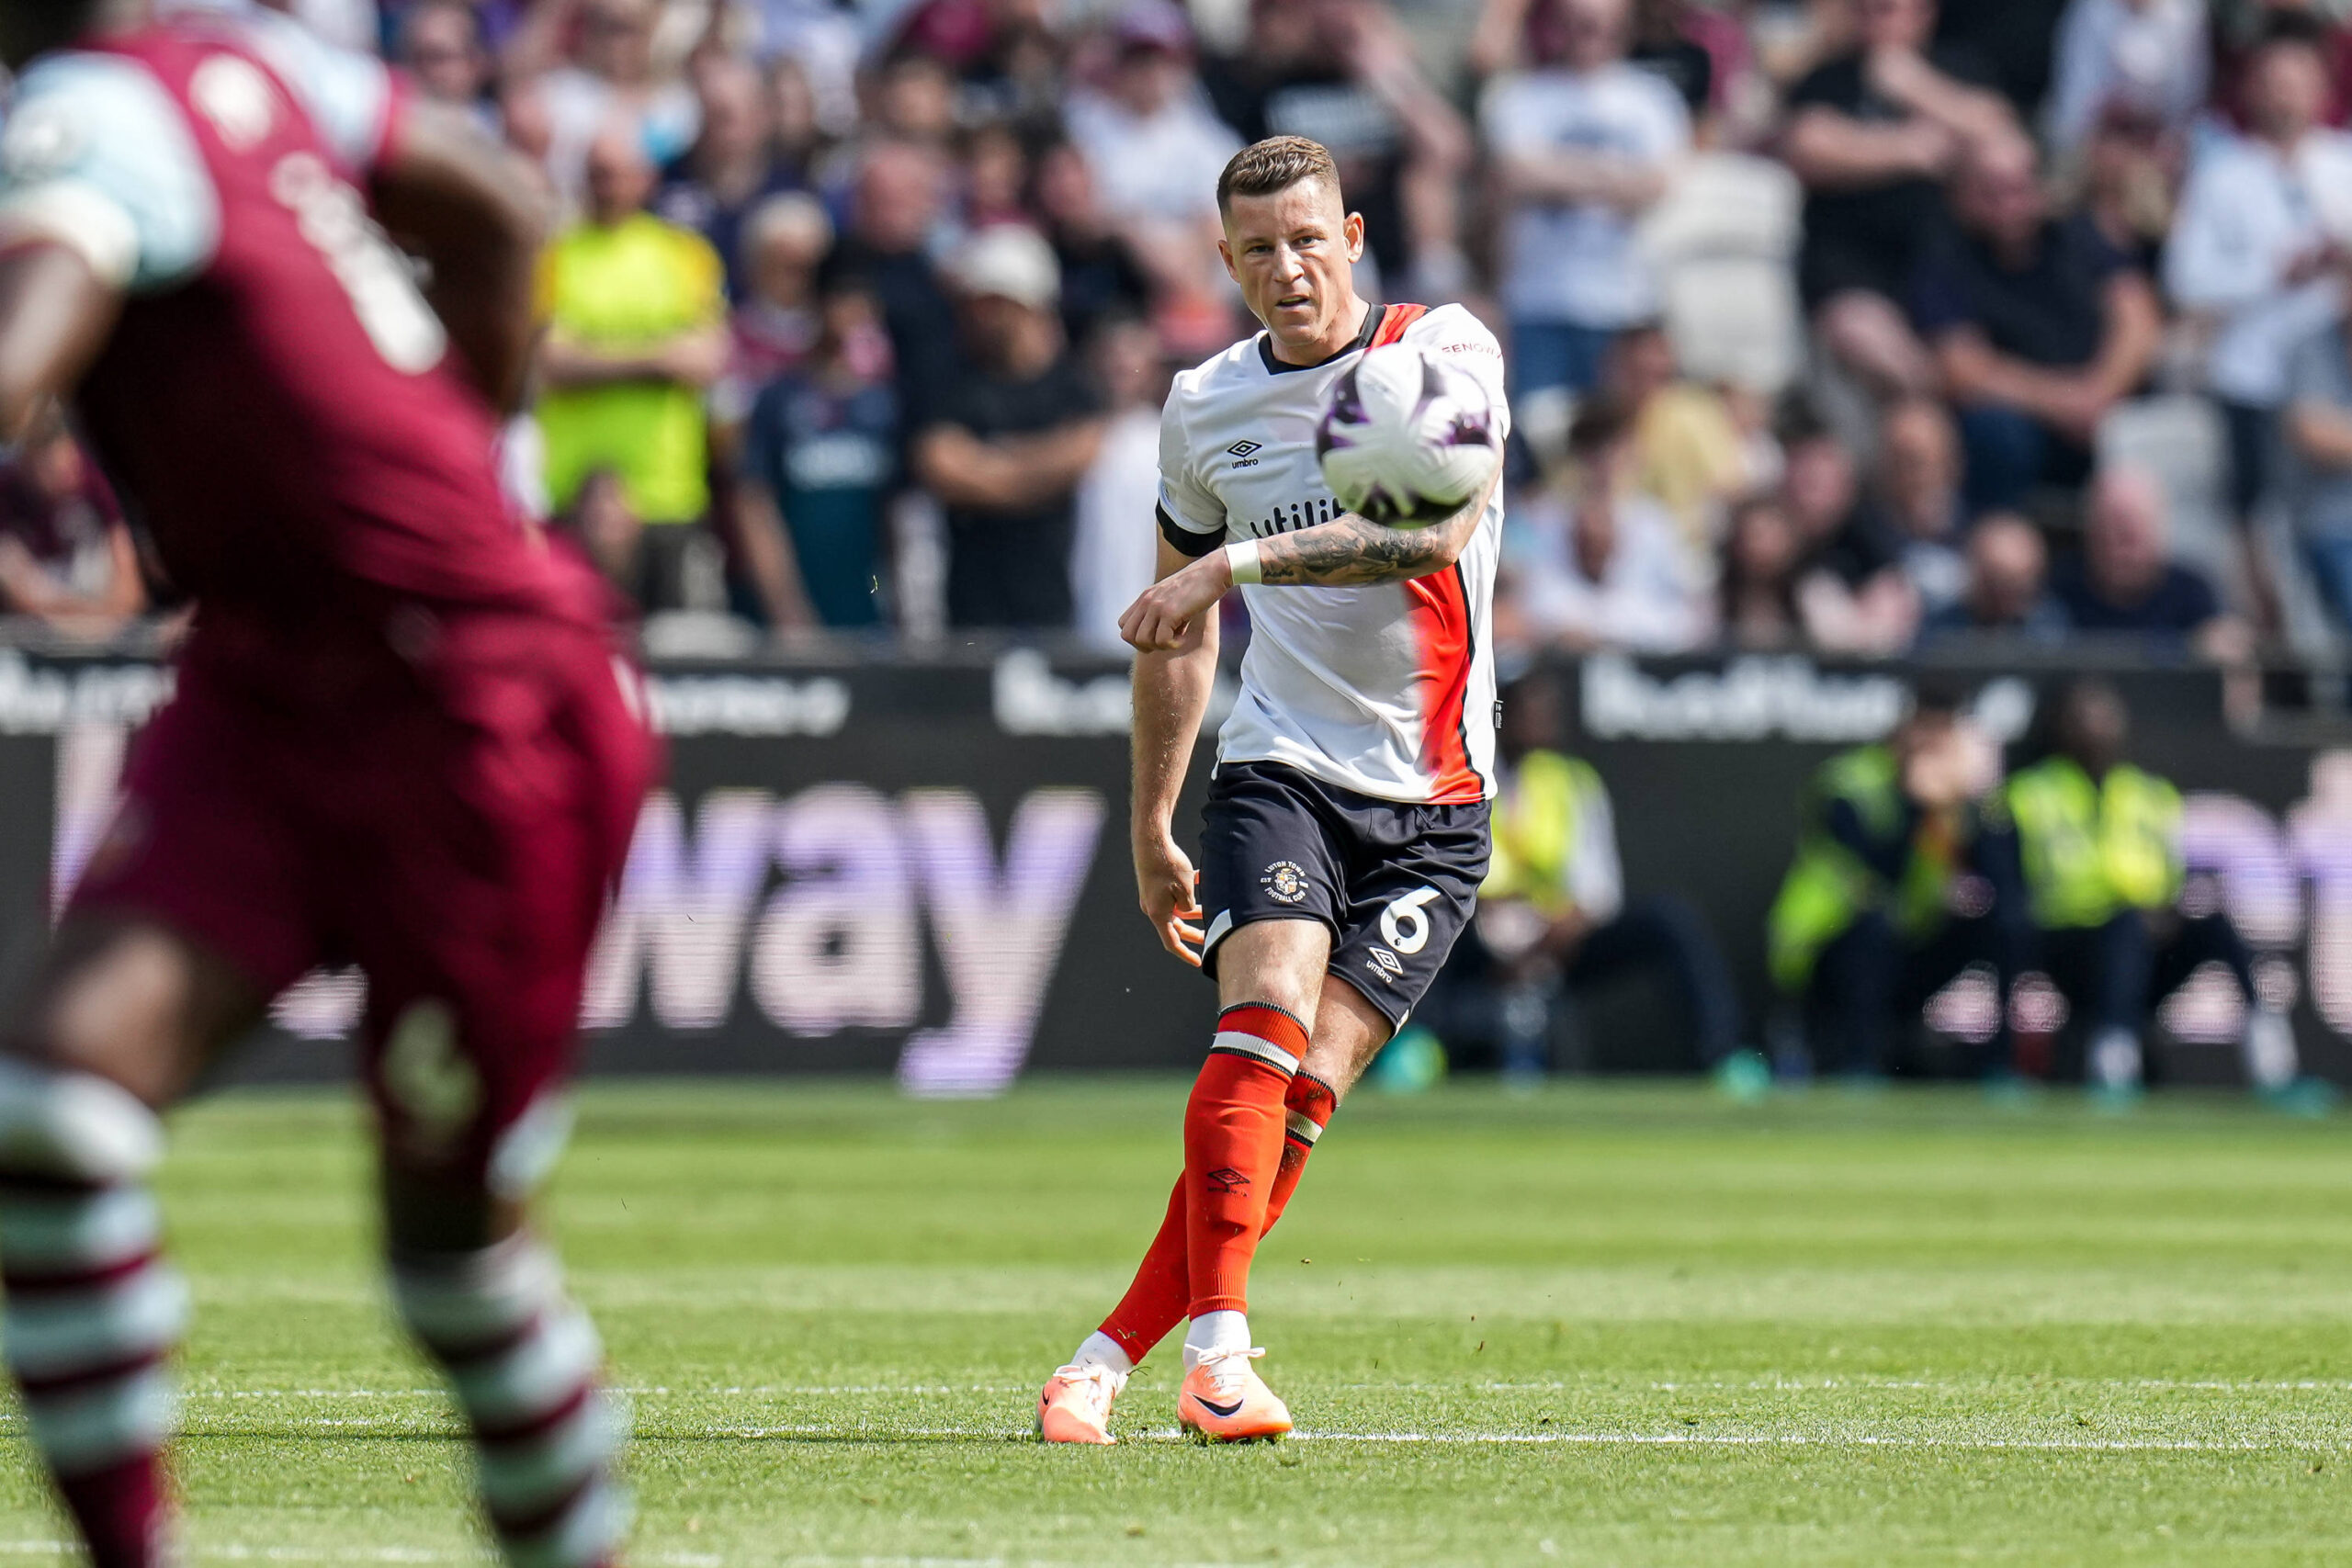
1345	833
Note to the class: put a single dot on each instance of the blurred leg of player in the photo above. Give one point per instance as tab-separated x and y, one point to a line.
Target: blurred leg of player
121	1020
463	861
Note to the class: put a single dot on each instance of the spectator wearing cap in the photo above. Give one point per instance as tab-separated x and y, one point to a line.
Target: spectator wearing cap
2147	57
66	554
1581	149
730	169
1605	569
2007	592
2127	582
2256	248
1872	133
1342	72
820	456
636	333
1005	447
2038	324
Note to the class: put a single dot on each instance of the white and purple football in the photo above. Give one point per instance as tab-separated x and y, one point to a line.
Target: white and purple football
1407	440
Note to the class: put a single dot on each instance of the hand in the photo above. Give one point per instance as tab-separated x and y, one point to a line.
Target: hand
1158	621
696	358
1168	889
1896	73
1930	147
2076	407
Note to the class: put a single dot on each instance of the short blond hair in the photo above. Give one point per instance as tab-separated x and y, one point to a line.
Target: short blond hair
1274	164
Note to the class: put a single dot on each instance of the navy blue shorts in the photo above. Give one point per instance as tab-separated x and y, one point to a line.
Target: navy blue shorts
1395	884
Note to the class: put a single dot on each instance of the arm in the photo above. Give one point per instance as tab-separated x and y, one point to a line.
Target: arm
1172	693
2073	400
2320	432
696	357
55	315
470	208
768	560
1608	179
1348	552
1009	474
1973	114
1830	151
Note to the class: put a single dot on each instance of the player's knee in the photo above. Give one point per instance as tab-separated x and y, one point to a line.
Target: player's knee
73	1126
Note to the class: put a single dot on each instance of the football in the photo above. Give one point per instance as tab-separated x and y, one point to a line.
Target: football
1407	440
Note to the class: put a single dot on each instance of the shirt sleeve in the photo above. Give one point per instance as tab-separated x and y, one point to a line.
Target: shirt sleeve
2216	257
1504	121
1939	300
96	158
1187	507
350	99
1462	341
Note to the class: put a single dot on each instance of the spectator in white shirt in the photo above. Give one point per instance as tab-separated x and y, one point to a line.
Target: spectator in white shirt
2151	57
1156	148
1581	150
1116	552
1606	570
2263	219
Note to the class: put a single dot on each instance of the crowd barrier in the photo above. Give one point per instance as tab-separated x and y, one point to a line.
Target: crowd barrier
919	866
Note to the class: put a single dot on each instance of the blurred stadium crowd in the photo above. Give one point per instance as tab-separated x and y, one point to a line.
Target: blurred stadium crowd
1848	325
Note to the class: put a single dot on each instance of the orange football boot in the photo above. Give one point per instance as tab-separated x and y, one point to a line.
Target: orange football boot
1076	1406
1225	1401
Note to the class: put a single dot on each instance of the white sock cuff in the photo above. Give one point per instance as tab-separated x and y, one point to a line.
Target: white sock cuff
453	1300
1100	1349
1218	1331
74	1126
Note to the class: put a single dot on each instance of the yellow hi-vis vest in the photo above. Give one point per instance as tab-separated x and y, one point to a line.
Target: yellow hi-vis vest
1534	828
2092	849
1828	884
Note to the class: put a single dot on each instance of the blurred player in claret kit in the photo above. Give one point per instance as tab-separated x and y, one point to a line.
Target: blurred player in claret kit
1345	834
401	738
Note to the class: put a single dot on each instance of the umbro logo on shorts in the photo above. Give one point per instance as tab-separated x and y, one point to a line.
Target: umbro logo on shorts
1385	963
1225	1179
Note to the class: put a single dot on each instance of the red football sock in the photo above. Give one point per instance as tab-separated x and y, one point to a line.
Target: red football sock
1233	1149
1157	1301
1307	1109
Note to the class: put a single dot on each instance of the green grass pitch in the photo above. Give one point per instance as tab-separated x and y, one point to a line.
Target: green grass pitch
1604	1324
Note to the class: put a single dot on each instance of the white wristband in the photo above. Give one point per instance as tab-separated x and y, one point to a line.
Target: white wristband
1243	560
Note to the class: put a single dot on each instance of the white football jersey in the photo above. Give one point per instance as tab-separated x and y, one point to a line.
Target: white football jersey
1389	690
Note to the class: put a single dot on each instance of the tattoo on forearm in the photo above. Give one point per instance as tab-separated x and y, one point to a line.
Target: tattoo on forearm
1352	553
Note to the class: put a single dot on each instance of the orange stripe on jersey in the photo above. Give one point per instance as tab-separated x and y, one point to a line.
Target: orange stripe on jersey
1394	320
1441	611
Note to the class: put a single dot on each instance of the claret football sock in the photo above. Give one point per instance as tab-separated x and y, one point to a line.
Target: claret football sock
1233	1149
523	1361
92	1309
1156	1302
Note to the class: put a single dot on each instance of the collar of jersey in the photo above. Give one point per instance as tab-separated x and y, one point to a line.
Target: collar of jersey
1373	317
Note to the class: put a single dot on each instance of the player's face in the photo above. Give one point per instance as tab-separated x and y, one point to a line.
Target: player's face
1294	253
